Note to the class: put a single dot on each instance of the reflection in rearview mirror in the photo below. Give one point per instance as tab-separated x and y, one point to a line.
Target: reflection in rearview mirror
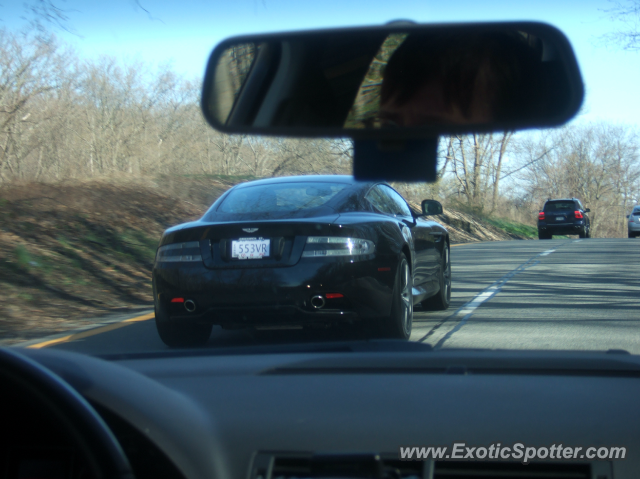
233	67
451	79
434	78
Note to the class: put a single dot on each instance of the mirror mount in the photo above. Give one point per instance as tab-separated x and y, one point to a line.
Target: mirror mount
402	160
410	224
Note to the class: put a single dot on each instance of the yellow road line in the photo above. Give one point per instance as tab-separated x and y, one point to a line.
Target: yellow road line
91	332
144	317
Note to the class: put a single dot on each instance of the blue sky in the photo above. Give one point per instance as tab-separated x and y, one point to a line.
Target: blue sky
184	32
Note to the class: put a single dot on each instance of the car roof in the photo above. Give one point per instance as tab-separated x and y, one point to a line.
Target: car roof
347	179
563	199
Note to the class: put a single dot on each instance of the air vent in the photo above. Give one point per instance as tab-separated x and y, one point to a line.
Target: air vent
387	466
299	466
511	470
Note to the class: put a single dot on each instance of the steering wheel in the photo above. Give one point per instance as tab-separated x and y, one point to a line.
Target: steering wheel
36	386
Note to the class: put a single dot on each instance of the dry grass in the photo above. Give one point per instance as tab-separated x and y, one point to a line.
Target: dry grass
70	252
467	228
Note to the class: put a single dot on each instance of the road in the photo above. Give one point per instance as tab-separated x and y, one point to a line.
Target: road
559	294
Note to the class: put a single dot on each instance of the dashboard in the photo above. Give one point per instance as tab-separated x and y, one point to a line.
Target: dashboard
340	412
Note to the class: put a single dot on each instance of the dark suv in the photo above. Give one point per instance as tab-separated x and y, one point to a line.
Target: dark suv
564	217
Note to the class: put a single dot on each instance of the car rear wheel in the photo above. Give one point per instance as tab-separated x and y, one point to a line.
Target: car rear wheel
181	335
543	236
442	299
632	235
399	323
583	233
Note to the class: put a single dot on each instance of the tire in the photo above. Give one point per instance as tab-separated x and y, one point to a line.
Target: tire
441	300
632	235
181	335
543	236
583	233
399	323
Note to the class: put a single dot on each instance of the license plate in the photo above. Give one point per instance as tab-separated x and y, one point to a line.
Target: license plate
559	218
250	248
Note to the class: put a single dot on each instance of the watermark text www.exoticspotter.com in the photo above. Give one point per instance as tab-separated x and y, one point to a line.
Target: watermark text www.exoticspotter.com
460	451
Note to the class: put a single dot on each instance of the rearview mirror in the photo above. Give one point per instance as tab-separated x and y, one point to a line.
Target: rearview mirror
587	210
393	82
431	207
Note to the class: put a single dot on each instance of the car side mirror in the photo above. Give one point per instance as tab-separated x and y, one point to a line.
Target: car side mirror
628	216
431	207
587	210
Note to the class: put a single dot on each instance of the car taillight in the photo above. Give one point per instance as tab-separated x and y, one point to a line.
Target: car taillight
334	295
337	246
578	215
179	253
541	215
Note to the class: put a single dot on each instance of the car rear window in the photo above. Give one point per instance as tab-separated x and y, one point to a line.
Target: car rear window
279	197
559	205
636	212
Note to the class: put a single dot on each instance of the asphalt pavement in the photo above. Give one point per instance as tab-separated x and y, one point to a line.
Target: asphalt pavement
567	294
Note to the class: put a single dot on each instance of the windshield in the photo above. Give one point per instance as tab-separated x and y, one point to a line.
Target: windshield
129	225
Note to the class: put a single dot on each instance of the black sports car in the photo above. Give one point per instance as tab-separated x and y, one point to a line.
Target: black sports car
301	251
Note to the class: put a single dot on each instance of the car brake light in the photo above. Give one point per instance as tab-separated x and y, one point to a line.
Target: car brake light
188	252
578	215
541	215
333	295
177	300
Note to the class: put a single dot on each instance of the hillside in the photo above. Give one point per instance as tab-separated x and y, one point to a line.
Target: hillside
85	250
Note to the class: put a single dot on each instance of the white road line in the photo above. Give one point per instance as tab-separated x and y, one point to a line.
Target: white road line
471	306
466	310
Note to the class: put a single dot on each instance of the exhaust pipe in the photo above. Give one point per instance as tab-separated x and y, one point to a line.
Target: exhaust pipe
189	305
317	302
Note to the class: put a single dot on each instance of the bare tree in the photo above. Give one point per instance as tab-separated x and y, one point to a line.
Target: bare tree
597	163
476	163
626	16
30	68
43	14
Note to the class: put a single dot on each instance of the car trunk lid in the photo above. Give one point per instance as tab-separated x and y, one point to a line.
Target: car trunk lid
244	243
559	216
